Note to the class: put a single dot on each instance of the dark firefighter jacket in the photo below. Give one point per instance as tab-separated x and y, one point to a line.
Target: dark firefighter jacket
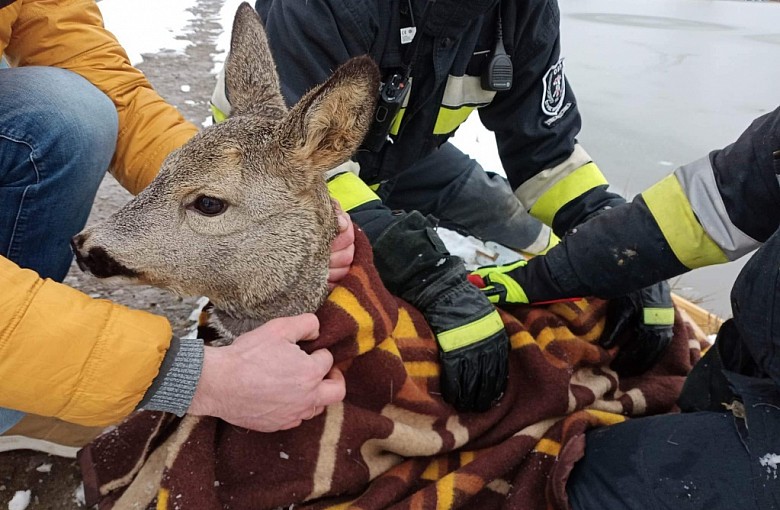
535	122
710	211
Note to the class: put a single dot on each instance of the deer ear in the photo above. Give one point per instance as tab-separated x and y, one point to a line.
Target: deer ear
328	124
250	74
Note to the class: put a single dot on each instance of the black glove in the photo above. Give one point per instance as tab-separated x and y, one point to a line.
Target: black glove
641	324
473	344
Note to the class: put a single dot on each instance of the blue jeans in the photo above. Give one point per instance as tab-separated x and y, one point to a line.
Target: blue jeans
57	136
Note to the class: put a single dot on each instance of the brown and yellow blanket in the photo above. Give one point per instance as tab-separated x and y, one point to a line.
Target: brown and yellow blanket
393	443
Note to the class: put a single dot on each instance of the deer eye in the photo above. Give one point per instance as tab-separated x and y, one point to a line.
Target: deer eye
208	206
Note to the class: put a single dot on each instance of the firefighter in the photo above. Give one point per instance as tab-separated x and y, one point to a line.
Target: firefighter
440	61
724	448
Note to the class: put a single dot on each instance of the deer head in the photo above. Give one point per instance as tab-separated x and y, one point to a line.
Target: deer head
241	212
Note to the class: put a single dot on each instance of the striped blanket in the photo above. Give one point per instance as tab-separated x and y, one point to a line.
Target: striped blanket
393	443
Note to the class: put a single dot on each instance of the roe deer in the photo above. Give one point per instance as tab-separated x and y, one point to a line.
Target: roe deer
241	212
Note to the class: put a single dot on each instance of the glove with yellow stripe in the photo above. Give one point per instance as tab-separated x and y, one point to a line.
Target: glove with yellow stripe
473	345
639	322
498	284
502	284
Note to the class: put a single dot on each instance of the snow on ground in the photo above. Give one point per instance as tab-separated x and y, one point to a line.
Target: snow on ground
20	501
148	26
770	461
78	495
44	468
479	143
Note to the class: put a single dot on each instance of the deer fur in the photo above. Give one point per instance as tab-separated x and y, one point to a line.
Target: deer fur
266	254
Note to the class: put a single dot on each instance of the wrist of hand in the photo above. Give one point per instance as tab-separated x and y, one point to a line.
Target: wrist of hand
414	264
173	389
585	207
522	282
501	284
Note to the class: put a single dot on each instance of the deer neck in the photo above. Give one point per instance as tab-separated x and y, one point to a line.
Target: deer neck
230	327
232	323
305	293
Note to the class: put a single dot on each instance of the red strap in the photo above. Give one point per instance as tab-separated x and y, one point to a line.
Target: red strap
553	301
477	280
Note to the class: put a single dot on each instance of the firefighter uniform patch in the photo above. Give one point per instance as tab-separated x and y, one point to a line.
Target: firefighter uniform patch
554	90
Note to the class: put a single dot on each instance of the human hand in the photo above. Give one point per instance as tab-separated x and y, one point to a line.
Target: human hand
264	381
522	282
474	353
473	344
342	249
641	324
501	284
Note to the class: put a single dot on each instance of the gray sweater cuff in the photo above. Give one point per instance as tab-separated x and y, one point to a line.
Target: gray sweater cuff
173	388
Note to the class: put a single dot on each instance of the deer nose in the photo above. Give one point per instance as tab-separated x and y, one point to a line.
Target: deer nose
96	260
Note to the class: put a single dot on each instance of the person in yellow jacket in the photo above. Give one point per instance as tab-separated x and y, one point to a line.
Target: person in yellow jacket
71	107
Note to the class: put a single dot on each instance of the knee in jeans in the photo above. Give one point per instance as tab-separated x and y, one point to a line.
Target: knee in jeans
81	120
87	116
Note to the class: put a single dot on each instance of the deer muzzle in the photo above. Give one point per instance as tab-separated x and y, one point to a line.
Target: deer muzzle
96	260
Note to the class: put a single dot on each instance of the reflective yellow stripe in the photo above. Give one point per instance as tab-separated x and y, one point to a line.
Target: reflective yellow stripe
470	333
686	237
554	240
448	119
582	179
659	316
217	113
396	125
350	191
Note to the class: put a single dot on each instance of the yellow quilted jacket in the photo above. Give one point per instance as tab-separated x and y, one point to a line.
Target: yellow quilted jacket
63	353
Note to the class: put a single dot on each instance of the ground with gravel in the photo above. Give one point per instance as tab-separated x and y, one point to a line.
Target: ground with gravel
185	81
